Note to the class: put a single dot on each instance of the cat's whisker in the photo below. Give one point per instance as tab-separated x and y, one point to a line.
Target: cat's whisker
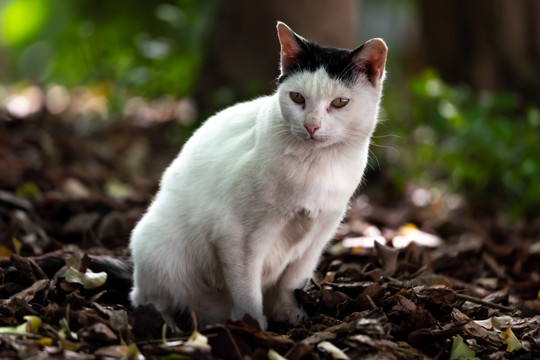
354	138
386	136
387	147
371	152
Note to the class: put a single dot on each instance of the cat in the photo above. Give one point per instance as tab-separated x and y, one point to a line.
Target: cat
243	213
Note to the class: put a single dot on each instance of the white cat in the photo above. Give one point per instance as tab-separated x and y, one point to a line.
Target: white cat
245	210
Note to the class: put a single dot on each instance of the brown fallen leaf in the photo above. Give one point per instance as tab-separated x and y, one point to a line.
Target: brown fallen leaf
387	256
422	338
98	332
478	332
28	268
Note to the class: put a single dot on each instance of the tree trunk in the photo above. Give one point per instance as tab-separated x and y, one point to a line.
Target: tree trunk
242	52
490	44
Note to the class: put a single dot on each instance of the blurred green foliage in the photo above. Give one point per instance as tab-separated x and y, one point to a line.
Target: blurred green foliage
149	48
482	146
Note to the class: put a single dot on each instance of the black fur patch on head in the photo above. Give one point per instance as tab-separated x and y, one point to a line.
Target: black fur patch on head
337	62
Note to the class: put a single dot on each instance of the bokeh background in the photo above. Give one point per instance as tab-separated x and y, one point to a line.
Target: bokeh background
460	124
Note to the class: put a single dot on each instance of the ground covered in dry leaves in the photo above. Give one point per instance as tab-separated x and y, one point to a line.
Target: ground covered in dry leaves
398	282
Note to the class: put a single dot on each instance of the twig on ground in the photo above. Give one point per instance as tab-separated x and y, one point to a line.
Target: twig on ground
235	345
484	302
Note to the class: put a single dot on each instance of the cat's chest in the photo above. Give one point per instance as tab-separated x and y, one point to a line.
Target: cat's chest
311	188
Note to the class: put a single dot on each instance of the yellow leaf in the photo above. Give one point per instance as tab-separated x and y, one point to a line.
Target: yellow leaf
409	233
132	352
45	341
17	245
357	250
32	323
5	252
408	228
510	340
69	345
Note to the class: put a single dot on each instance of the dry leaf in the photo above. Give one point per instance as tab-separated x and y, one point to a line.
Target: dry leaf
510	340
89	279
333	350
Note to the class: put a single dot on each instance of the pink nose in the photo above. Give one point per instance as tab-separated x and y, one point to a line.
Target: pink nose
311	128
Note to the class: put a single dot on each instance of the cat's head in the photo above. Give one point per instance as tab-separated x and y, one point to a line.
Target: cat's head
326	95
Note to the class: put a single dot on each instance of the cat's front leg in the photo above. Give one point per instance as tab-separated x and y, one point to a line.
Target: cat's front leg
246	294
280	301
242	273
281	304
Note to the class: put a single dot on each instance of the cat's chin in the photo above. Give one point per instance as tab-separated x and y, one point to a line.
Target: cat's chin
318	142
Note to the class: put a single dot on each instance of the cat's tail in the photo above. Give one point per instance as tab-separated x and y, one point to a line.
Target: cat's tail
119	271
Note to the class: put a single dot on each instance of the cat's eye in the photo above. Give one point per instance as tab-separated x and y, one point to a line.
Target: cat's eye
339	102
297	98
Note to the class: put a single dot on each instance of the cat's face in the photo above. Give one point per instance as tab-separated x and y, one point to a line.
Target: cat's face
329	96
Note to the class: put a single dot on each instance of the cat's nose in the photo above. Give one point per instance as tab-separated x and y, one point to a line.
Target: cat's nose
311	128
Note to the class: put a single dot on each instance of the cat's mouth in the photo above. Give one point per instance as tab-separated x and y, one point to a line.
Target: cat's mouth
317	140
314	139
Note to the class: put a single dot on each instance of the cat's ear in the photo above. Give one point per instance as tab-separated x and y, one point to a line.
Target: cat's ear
370	59
291	46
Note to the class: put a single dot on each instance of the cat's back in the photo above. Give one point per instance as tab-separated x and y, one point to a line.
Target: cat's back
229	128
224	127
221	144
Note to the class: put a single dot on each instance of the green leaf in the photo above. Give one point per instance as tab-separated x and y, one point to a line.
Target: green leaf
64	325
273	355
20	20
117	189
30	326
461	351
28	190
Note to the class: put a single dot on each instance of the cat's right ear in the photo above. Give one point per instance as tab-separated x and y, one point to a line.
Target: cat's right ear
291	46
370	59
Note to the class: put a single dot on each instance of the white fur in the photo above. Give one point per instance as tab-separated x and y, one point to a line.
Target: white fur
244	211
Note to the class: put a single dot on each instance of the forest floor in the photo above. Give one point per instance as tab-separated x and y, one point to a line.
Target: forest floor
397	282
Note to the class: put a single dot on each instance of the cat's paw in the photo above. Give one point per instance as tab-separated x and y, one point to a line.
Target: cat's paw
289	313
263	323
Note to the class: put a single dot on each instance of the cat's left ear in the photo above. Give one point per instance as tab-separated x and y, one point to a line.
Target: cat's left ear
291	46
370	59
